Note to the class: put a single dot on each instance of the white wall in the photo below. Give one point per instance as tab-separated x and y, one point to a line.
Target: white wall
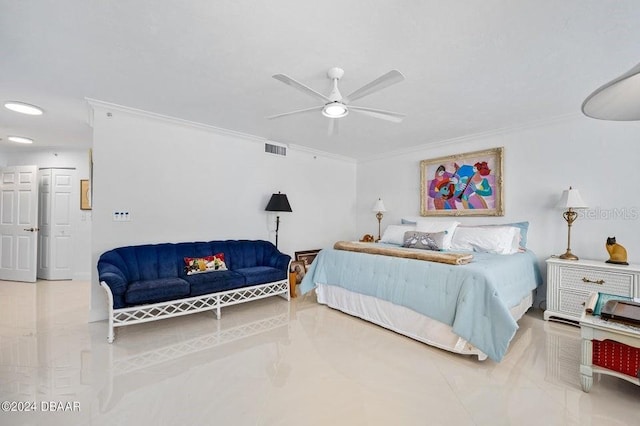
81	219
600	158
184	182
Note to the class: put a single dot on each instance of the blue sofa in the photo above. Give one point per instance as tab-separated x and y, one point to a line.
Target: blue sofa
153	281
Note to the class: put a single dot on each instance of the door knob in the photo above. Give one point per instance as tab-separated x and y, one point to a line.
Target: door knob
31	229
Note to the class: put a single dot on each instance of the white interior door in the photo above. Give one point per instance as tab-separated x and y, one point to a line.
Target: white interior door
18	223
55	259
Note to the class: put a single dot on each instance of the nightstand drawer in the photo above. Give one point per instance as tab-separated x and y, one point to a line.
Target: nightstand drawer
572	302
591	280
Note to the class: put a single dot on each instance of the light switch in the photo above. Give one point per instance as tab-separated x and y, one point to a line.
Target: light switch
121	216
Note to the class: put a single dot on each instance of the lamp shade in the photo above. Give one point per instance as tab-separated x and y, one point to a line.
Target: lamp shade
571	199
379	206
278	203
617	100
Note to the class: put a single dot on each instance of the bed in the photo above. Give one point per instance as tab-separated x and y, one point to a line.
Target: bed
469	308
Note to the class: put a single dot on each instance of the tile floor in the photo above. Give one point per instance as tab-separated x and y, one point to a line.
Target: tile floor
271	362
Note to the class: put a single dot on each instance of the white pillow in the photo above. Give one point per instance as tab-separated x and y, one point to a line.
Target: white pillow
394	234
449	227
494	239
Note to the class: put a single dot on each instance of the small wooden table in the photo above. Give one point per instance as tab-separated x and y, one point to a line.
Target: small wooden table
292	284
595	328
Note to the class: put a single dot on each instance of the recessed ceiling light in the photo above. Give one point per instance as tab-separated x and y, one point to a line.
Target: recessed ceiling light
20	139
23	108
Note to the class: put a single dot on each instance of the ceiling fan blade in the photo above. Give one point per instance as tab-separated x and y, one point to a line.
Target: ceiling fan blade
300	111
395	117
386	80
297	85
333	126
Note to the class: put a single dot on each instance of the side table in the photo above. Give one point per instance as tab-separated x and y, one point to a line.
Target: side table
292	284
626	343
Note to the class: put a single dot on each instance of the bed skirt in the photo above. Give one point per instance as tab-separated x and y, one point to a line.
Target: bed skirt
404	320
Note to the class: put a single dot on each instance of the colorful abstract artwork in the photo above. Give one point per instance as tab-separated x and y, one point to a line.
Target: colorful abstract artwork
465	184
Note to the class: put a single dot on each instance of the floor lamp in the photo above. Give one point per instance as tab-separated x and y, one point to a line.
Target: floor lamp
278	203
570	200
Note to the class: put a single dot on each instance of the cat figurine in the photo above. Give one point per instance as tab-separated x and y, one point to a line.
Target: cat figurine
617	253
367	238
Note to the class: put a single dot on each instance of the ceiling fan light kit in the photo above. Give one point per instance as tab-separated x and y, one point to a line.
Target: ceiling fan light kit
335	110
337	106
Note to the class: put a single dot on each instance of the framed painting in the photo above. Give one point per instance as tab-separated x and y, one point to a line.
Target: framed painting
307	256
85	194
299	268
467	184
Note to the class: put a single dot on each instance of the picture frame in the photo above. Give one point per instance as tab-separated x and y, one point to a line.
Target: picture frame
468	184
299	268
306	256
85	194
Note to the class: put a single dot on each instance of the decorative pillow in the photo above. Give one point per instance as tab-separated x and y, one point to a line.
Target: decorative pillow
424	240
394	234
489	239
524	228
200	265
448	227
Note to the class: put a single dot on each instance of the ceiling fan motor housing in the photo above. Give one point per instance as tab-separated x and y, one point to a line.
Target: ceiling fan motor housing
335	73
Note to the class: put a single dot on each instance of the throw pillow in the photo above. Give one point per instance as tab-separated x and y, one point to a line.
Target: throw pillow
424	240
394	234
199	265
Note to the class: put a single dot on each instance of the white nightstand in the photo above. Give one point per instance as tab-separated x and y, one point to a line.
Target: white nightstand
569	283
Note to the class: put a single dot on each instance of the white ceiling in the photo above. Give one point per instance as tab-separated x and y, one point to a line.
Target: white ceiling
471	66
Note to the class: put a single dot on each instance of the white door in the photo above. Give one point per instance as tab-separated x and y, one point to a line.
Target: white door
55	260
18	223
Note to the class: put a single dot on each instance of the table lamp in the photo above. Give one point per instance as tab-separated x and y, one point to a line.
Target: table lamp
378	209
570	200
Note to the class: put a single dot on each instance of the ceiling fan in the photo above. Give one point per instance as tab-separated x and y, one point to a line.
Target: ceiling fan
337	106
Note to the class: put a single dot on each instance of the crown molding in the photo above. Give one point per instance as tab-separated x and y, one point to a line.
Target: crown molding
94	103
317	152
470	137
97	104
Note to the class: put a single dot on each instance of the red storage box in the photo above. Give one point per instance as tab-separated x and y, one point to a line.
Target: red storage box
616	356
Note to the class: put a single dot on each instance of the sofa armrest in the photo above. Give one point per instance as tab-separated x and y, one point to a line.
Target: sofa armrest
280	261
114	278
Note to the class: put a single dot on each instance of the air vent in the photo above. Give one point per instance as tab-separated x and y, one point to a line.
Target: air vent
270	148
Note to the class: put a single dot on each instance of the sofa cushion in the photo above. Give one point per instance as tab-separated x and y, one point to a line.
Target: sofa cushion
214	282
262	274
157	290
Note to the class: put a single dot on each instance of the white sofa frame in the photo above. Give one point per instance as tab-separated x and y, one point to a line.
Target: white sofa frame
191	305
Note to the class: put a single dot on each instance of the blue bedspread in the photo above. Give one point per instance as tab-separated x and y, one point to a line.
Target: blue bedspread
474	299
